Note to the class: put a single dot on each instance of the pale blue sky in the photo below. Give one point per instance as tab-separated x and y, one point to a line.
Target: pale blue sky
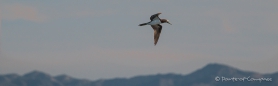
102	39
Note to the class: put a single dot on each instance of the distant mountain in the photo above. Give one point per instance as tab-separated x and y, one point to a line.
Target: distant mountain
206	76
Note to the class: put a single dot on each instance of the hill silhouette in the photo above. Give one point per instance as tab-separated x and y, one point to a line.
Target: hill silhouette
206	76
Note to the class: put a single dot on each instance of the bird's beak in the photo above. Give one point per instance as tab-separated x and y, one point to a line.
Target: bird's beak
169	23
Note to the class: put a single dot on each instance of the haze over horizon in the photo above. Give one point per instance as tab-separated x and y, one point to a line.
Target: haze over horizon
102	39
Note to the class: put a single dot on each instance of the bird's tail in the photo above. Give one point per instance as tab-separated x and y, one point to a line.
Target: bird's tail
143	24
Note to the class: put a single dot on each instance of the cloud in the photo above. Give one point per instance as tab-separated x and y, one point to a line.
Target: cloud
272	21
234	21
21	11
0	32
90	13
225	18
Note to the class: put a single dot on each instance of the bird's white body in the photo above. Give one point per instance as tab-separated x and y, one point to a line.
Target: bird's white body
155	22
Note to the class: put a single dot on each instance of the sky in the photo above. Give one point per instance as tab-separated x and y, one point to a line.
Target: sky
94	39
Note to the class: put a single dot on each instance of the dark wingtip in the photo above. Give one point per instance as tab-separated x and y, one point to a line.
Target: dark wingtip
142	24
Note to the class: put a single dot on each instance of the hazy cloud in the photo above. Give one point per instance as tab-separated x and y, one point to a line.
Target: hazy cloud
22	11
272	21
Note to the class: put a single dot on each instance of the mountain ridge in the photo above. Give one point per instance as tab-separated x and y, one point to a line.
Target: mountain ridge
205	76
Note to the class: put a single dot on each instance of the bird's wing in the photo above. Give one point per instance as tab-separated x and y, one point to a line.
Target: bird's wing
155	16
157	30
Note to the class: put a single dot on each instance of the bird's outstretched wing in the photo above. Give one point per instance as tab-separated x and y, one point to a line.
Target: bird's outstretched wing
157	30
155	16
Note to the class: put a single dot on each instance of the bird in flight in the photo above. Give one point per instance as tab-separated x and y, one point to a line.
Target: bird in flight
155	24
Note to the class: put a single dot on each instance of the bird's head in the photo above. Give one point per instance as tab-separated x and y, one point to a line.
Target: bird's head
165	21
